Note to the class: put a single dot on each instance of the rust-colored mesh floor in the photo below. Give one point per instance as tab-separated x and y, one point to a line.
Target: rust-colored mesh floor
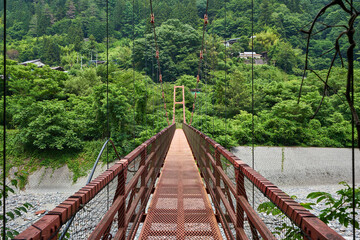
180	208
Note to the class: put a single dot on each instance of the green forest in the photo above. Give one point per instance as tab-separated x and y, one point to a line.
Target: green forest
56	118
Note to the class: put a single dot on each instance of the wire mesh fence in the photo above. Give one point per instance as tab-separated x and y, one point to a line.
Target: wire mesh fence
90	214
247	204
111	205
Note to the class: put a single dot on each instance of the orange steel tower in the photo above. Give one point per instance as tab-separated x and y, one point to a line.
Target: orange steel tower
183	102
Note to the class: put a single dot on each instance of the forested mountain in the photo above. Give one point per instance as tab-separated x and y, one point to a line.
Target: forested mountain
66	112
42	28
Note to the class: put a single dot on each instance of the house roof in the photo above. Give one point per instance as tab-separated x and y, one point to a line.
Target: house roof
37	62
58	68
97	61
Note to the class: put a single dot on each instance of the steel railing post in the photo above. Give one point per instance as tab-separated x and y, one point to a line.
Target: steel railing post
207	162
144	175
122	209
217	175
240	190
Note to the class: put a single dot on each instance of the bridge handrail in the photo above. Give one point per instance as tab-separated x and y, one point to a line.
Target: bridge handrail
99	156
49	225
311	226
90	178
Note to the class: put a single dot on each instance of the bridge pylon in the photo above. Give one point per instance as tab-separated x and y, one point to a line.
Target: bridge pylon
183	102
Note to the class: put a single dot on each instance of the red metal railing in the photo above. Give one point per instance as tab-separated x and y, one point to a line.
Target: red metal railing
129	183
233	185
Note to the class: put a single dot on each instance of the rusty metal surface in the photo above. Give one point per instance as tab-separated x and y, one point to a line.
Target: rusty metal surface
128	191
225	176
180	208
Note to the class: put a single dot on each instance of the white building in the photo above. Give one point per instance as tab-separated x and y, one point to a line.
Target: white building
247	55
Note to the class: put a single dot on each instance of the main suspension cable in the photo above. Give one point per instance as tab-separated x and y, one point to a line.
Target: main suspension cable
206	83
146	82
157	56
213	91
200	58
153	79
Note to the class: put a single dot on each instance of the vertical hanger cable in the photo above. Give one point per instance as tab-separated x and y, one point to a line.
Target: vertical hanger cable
4	134
252	98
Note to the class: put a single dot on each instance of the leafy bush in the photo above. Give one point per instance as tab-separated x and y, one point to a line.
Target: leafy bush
339	208
48	125
18	211
291	231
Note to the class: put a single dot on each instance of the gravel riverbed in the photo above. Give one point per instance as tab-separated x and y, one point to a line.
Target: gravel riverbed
299	171
301	194
291	169
41	202
48	200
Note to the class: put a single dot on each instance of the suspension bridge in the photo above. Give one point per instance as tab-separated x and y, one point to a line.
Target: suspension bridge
179	184
166	197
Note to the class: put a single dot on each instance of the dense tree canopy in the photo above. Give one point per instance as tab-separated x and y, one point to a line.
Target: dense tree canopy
50	110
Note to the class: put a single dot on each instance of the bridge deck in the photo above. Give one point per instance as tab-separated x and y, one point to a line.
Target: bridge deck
180	208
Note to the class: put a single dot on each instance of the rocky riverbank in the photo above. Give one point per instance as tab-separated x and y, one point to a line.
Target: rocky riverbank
301	194
297	171
41	202
44	202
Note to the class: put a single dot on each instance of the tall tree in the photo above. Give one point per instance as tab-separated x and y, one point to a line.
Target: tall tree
265	12
43	14
118	14
75	35
191	16
71	9
51	51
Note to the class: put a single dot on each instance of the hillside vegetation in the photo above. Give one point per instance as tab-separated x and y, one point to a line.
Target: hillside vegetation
58	117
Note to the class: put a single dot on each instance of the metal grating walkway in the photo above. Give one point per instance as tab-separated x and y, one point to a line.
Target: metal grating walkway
180	208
